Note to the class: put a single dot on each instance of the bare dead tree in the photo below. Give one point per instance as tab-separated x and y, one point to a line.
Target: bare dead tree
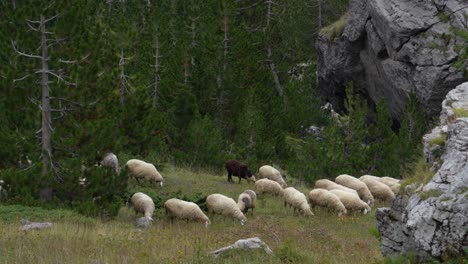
271	63
46	130
123	78
269	14
157	66
225	40
187	70
193	30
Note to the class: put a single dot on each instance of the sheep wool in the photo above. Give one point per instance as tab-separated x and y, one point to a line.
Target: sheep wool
268	186
325	198
297	200
329	185
393	183
110	161
268	172
143	170
142	203
358	186
180	209
247	200
244	202
379	190
252	195
351	201
223	205
391	179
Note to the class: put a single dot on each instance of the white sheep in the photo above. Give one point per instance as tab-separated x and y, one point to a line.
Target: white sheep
296	200
223	205
268	172
357	185
325	198
268	186
244	202
110	161
329	185
176	208
142	203
391	179
143	170
394	184
379	190
247	200
351	201
3	192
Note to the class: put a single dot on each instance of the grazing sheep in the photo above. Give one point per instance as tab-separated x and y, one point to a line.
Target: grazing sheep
325	198
143	170
351	201
246	201
176	208
390	182
391	179
379	190
110	161
297	200
3	192
358	186
142	203
223	205
268	186
241	170
252	194
329	185
268	172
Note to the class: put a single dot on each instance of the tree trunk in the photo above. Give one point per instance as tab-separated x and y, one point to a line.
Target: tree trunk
46	128
156	74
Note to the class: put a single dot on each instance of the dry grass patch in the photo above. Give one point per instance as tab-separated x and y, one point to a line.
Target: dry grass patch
324	238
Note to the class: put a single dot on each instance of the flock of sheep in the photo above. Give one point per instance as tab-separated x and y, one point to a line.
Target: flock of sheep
344	195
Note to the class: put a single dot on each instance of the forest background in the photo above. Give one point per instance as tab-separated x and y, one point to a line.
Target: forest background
190	83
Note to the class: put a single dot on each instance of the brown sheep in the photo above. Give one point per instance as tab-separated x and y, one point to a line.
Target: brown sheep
239	169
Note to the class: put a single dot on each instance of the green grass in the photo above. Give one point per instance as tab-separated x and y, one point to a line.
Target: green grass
460	112
336	29
430	193
438	140
323	238
421	174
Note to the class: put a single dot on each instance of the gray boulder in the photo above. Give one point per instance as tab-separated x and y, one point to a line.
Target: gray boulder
432	219
389	48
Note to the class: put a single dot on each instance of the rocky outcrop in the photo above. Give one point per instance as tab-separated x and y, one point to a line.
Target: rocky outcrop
389	48
432	219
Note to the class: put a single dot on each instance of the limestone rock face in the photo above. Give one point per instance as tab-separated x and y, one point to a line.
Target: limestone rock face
432	219
389	48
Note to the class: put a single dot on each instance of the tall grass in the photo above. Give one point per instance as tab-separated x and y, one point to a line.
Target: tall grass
323	238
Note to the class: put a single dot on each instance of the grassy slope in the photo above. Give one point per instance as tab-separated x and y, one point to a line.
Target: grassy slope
324	238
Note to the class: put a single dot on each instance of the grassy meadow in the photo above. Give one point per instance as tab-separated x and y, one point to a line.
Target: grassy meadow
323	238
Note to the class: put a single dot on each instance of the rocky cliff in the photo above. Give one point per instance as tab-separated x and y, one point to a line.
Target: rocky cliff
432	219
391	47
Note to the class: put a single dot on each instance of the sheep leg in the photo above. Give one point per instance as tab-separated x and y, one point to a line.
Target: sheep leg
229	177
240	179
